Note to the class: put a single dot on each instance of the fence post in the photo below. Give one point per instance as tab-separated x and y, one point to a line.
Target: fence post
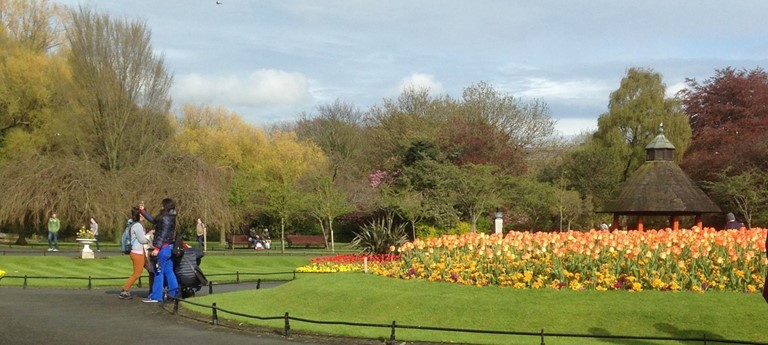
705	338
294	274
258	284
25	281
215	314
238	277
287	326
542	337
210	287
139	281
392	335
90	284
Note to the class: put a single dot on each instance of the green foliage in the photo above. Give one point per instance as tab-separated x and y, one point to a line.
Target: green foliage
377	236
745	194
426	231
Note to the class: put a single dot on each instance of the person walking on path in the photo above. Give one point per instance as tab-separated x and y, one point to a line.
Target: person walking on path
138	240
200	229
95	231
162	243
53	233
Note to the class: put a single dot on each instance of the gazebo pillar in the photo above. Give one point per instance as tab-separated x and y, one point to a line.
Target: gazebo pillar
699	222
615	224
675	221
639	223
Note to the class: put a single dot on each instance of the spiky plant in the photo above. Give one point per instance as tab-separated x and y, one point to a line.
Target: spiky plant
377	236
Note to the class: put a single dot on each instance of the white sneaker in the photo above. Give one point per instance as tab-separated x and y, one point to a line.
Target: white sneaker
50	249
55	250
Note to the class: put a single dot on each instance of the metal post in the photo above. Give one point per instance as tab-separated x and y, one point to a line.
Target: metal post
215	314
542	337
258	284
238	277
25	281
139	281
175	306
90	284
210	287
287	326
294	274
392	335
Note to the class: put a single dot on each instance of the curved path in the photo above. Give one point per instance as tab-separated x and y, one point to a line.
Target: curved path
80	316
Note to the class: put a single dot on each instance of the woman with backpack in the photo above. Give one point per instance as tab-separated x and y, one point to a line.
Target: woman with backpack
138	239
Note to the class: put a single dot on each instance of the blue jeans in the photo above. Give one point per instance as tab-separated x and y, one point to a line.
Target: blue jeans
163	273
53	239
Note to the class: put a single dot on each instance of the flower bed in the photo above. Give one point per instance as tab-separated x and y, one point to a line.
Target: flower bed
345	263
665	260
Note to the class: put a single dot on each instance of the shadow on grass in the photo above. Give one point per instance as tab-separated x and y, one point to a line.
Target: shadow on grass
671	330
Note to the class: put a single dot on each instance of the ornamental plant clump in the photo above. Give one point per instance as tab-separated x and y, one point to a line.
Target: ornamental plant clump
691	259
85	233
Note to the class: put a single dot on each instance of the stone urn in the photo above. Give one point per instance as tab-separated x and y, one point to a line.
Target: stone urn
86	252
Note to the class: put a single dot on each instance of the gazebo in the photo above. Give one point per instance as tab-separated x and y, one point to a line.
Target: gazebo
660	188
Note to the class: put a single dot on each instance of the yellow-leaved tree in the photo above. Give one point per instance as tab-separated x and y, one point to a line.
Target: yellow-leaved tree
287	169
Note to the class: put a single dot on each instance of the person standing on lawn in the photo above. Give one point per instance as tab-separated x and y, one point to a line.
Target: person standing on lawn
53	233
162	245
200	230
138	240
95	231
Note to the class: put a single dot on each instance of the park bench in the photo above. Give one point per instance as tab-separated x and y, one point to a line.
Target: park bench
307	240
233	240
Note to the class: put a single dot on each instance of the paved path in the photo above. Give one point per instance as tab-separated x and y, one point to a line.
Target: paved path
81	317
64	316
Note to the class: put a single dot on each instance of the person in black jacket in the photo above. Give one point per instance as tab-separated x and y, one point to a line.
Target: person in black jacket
162	244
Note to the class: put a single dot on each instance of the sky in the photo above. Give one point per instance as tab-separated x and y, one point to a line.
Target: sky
270	61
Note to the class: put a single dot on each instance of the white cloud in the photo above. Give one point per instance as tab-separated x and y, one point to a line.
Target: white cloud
420	81
584	89
572	126
263	88
673	89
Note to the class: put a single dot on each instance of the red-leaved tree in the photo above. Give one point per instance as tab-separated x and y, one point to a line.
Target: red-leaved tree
728	114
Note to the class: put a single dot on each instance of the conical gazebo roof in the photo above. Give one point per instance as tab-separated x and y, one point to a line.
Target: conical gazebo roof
660	188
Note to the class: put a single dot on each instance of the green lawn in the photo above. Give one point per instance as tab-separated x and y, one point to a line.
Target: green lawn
361	298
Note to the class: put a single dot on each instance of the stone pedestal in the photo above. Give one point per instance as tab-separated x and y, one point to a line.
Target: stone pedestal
86	252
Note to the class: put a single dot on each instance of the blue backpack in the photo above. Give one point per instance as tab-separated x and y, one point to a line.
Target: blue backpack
126	242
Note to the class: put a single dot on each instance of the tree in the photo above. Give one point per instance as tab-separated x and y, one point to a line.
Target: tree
222	139
288	163
745	193
527	125
34	24
33	77
636	111
122	89
617	148
479	188
337	130
729	117
326	203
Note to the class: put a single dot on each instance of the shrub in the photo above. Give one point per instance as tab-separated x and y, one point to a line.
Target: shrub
377	236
